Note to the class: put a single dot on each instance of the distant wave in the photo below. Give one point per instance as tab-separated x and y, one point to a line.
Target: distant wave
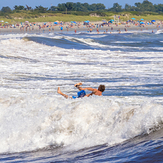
66	42
127	42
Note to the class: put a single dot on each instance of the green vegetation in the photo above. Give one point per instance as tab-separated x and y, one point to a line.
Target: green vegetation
59	17
82	11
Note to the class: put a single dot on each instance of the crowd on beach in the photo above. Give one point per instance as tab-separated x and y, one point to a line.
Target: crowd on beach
86	26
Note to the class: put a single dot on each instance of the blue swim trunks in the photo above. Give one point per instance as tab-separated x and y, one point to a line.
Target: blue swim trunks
80	94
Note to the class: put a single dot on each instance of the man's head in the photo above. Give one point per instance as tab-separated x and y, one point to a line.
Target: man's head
101	88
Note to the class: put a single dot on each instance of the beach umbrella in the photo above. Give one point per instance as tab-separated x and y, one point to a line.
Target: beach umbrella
55	22
73	22
1	21
104	21
141	19
133	18
111	21
6	22
142	23
153	20
87	21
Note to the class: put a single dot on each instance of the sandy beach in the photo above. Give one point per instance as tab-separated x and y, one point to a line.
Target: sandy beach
92	27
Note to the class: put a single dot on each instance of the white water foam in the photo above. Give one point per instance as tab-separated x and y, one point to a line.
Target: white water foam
33	122
159	32
130	42
34	116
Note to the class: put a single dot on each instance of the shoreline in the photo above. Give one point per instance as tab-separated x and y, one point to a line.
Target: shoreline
81	28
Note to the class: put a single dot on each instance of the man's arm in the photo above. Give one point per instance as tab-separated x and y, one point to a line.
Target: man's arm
89	89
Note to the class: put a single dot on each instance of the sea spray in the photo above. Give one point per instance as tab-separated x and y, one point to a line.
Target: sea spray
35	122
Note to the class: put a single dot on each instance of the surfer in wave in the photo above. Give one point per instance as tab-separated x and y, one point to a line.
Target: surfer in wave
82	93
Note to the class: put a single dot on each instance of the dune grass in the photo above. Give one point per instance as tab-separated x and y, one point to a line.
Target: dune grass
147	17
52	17
61	17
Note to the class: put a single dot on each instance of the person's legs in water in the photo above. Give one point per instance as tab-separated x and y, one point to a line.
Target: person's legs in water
81	94
59	91
77	85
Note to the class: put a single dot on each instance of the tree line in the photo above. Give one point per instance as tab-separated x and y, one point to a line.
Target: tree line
145	6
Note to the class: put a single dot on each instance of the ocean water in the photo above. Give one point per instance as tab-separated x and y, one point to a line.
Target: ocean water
123	125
